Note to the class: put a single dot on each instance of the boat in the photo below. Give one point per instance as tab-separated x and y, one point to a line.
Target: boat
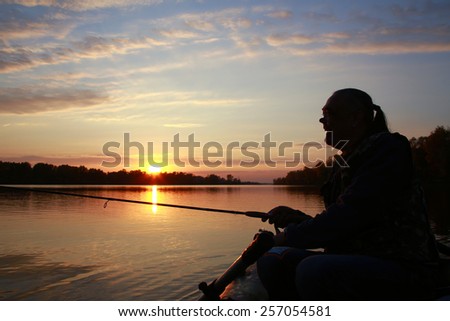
240	281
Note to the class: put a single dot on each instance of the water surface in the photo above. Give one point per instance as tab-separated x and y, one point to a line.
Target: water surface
55	247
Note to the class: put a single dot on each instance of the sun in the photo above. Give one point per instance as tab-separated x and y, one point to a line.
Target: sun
153	170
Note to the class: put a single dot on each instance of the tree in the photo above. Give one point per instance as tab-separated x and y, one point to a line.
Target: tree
431	155
44	174
437	149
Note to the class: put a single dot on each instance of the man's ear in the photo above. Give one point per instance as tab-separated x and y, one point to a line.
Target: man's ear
357	118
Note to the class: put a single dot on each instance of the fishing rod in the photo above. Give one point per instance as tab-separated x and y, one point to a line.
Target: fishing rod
109	199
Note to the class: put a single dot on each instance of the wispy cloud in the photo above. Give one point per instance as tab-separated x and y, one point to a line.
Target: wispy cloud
16	25
320	16
83	5
183	125
157	68
289	39
103	118
200	25
91	47
377	40
388	47
231	25
179	34
97	46
66	76
24	124
280	14
30	101
184	99
169	32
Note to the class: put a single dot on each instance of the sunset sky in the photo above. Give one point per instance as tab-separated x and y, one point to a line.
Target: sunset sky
76	75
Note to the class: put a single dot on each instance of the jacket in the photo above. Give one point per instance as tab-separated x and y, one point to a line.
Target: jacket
372	206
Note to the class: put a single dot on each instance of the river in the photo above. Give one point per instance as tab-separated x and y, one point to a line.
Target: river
56	247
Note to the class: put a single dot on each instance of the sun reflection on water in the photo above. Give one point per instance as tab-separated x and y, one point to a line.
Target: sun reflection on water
154	199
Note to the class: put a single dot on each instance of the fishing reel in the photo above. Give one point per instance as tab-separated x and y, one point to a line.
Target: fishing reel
263	216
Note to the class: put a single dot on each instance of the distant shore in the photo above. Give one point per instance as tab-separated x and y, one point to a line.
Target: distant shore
47	174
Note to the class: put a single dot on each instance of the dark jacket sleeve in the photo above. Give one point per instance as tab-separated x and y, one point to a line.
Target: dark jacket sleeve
375	183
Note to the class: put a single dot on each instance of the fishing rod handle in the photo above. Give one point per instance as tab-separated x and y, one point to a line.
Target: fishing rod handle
257	214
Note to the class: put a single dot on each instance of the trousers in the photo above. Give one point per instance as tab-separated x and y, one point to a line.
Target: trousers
296	274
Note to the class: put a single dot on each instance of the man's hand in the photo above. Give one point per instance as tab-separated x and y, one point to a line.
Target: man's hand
279	239
281	216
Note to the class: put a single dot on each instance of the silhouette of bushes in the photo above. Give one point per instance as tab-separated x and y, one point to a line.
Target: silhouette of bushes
42	173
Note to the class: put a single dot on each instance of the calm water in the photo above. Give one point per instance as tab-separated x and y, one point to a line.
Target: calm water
55	247
58	247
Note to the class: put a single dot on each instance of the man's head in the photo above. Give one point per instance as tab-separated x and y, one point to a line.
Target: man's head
348	116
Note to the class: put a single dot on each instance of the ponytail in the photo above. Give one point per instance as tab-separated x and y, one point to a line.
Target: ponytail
379	123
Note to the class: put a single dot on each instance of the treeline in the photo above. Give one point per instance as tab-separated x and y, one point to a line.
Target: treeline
431	157
307	176
42	173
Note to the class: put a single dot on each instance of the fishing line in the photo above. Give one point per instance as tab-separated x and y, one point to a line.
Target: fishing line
109	199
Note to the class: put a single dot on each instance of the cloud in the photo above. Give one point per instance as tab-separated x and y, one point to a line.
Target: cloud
200	25
193	28
323	17
91	47
272	12
155	68
83	5
30	3
12	59
262	8
208	21
188	99
179	34
427	32
66	76
220	27
371	41
251	46
286	39
28	101
96	46
184	125
280	14
210	16
210	26
387	47
235	23
15	25
24	124
370	48
99	118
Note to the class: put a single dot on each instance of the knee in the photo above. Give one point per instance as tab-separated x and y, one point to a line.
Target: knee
268	266
277	276
308	269
312	278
